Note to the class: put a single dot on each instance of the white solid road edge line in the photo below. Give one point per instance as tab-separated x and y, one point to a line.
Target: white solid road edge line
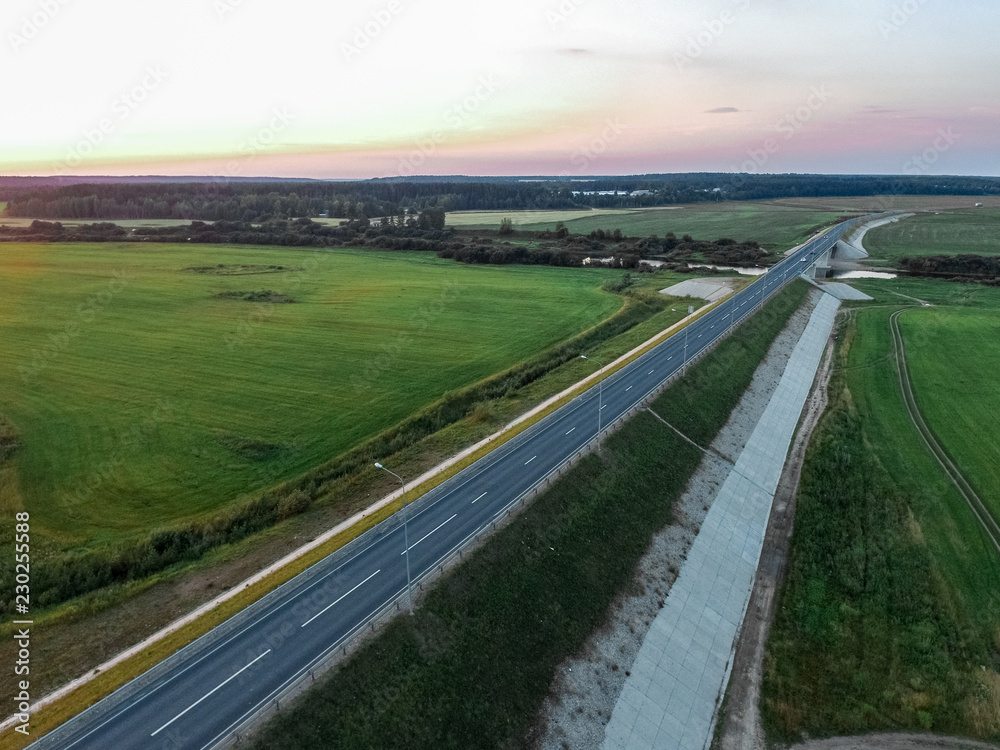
429	533
210	692
342	596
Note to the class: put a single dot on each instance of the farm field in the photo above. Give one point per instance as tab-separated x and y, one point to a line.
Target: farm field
953	356
141	397
891	591
776	227
972	231
892	202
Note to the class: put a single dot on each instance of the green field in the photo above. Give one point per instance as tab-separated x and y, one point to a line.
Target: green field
966	232
954	355
776	227
892	592
140	398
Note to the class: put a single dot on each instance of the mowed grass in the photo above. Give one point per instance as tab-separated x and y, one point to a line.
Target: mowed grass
156	401
966	232
954	356
891	610
777	227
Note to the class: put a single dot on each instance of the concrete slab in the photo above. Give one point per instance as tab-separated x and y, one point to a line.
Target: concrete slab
682	668
707	289
844	291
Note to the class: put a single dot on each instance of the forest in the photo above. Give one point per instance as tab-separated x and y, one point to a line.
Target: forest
248	201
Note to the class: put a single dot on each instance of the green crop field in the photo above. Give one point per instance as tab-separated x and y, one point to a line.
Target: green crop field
972	232
892	592
954	355
776	227
140	396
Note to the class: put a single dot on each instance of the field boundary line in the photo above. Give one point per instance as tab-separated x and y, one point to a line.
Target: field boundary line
982	513
121	669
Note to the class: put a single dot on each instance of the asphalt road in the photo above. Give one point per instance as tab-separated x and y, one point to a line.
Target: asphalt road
196	698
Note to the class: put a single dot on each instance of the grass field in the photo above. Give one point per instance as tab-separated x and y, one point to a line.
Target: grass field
954	357
140	398
473	665
892	595
777	227
973	232
892	202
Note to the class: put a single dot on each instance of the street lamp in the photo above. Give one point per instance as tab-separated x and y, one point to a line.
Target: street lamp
406	534
600	399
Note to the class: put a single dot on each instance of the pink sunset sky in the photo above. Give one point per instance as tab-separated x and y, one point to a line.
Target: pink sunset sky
302	88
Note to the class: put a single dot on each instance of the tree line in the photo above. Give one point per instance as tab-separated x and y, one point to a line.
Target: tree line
262	201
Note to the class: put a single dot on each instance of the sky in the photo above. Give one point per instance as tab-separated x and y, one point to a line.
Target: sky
378	88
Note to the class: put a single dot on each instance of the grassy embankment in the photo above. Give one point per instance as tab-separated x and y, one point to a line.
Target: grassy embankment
471	668
972	231
890	617
776	227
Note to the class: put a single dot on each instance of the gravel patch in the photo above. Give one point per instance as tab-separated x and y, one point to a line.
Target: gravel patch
586	687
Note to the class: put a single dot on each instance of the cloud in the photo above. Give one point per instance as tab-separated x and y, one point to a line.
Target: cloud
874	109
721	111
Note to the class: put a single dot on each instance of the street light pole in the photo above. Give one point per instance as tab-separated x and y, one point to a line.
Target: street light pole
406	534
600	399
684	368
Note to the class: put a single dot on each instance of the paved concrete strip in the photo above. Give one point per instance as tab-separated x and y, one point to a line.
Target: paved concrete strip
844	291
670	699
707	289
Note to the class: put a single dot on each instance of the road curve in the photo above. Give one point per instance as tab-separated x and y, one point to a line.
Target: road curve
198	697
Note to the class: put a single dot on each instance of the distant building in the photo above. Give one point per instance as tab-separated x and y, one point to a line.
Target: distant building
979	205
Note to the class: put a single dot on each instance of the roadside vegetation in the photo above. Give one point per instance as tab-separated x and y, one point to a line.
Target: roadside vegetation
890	616
471	668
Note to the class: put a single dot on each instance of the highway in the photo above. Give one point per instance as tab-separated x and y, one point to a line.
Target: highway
196	699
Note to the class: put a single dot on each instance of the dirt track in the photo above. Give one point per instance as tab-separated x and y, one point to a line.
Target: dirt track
893	742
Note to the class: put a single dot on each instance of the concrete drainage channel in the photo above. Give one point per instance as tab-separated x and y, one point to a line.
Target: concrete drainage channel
672	695
349	644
